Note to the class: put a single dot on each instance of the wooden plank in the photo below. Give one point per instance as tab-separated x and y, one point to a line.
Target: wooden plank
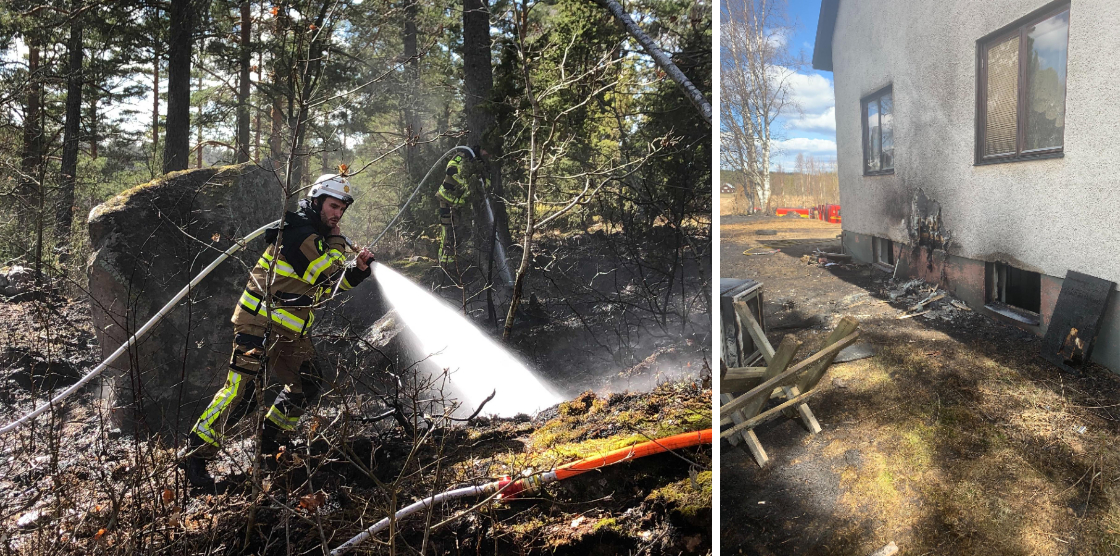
803	411
769	414
735	419
785	378
756	448
740	379
753	401
755	330
846	326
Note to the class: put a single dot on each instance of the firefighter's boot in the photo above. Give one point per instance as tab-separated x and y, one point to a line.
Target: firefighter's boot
270	440
195	464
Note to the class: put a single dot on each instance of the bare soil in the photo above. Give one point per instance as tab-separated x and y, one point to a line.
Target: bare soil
955	438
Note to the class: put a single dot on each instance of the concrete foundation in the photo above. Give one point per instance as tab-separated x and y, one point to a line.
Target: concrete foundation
965	278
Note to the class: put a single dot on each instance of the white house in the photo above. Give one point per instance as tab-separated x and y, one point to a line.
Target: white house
978	146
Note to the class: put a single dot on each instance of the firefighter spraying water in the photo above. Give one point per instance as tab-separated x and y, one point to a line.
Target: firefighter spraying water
272	321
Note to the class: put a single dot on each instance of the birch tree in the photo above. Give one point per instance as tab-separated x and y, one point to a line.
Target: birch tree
754	86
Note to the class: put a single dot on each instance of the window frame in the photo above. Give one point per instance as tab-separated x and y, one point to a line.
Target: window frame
863	102
997	276
1017	28
882	251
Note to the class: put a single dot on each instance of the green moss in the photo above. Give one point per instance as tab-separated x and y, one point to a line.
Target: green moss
918	445
691	501
594	426
609	524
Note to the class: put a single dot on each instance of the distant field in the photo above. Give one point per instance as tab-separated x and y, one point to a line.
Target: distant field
728	204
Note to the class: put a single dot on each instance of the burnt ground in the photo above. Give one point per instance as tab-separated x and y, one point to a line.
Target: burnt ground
71	485
955	438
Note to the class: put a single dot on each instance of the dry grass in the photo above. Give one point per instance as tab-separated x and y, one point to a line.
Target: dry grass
954	439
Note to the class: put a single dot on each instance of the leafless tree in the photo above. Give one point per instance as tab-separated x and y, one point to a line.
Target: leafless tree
754	86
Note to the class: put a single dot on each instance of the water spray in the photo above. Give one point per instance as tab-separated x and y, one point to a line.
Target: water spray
474	361
143	331
508	489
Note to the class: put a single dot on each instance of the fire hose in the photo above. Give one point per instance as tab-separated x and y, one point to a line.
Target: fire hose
508	489
237	246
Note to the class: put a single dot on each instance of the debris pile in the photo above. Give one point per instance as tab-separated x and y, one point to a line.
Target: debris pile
925	300
830	260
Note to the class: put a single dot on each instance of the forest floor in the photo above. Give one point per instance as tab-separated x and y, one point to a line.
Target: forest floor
70	485
954	438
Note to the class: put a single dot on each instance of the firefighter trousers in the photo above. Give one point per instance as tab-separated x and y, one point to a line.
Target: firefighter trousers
448	238
288	360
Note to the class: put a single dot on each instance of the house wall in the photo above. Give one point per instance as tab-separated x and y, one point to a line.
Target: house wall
1046	216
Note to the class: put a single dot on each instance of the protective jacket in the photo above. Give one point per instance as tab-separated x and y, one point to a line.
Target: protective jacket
454	189
308	264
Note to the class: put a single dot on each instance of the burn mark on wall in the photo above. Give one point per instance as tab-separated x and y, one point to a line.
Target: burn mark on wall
925	227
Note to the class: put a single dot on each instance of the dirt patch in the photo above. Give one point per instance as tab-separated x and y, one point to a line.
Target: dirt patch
953	439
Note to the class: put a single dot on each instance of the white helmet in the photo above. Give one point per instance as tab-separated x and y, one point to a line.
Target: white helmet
334	185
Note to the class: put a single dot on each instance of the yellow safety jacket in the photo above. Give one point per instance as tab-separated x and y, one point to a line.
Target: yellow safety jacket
307	267
454	189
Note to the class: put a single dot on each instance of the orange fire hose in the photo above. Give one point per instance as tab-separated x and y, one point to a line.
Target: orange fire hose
507	488
675	442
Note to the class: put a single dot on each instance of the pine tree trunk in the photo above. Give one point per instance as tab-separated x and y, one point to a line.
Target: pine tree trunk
198	131
155	99
176	141
243	84
257	113
32	156
410	101
478	83
64	213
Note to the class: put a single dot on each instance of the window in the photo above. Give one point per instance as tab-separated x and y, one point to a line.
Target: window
883	251
1014	293
1021	92
878	133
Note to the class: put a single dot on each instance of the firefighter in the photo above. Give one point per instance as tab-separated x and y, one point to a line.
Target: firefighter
453	194
272	321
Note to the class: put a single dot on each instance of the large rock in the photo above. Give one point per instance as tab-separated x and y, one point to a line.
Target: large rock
147	243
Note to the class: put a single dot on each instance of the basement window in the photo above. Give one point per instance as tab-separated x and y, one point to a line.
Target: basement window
1014	293
882	251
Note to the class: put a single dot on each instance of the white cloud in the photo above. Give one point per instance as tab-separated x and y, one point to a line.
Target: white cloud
806	145
777	38
812	92
821	123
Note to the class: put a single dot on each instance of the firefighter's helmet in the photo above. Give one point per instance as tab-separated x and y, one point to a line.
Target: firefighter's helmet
334	185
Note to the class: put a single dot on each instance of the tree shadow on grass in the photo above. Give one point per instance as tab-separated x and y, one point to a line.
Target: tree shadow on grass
943	443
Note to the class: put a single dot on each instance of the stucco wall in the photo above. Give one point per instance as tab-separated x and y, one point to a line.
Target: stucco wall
1047	216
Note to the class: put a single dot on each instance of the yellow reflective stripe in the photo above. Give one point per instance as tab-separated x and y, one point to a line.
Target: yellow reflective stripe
204	428
322	263
281	420
206	437
249	300
282	268
345	283
279	316
287	320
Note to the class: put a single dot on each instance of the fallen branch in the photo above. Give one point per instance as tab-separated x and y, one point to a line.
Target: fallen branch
479	410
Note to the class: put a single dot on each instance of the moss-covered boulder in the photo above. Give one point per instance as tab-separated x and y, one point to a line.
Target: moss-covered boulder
147	243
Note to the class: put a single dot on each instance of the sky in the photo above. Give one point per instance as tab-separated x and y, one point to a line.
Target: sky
813	131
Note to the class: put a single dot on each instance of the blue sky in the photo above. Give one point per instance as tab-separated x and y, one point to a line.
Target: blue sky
813	131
